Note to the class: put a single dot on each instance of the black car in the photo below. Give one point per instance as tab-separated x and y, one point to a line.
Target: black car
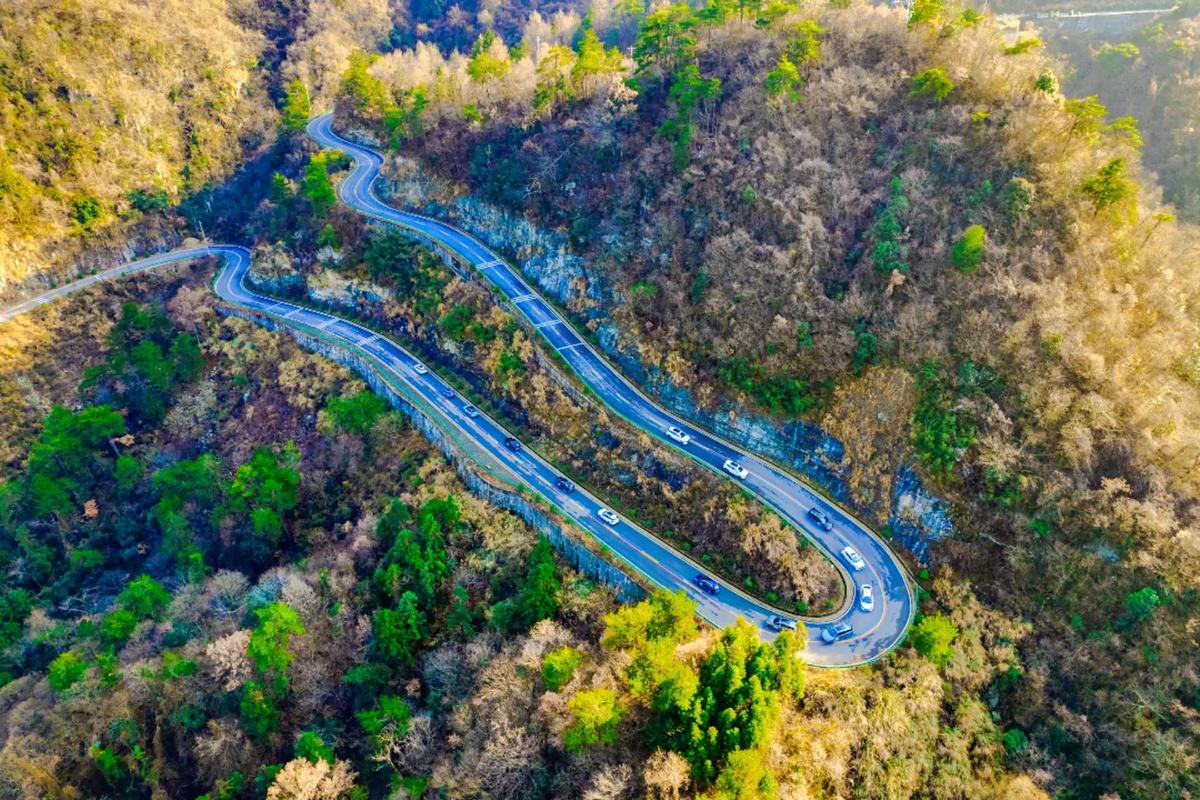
706	585
564	484
821	518
512	444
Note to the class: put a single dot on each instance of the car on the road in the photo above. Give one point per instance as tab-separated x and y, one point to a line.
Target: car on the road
446	391
778	623
678	434
866	597
837	632
564	484
419	368
821	518
735	469
608	515
853	559
706	584
471	411
512	444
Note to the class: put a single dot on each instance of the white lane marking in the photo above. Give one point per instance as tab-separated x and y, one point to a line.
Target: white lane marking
523	298
327	323
546	324
488	265
569	346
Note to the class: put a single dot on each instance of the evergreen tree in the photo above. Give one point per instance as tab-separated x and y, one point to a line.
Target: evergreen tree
1109	188
296	107
316	187
398	631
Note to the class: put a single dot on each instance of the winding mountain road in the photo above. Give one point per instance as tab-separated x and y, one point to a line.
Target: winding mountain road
875	631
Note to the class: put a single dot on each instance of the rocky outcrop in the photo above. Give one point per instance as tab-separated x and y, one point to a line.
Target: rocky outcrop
273	272
918	518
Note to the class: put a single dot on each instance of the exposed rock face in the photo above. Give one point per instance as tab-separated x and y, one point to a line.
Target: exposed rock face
328	287
917	518
273	271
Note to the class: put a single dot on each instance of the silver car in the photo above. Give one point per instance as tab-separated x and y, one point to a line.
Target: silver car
419	368
678	434
778	623
866	597
853	559
735	469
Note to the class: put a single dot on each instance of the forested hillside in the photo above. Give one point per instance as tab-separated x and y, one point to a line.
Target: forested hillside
261	582
1152	73
112	110
231	573
906	232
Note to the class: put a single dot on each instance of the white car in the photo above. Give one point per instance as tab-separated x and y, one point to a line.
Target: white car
678	434
853	559
419	368
866	597
735	469
608	515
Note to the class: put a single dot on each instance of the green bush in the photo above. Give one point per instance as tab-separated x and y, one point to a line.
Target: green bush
1015	741
1140	606
969	250
144	597
310	746
116	627
316	187
455	321
941	433
296	108
558	666
269	646
933	637
932	83
66	670
356	414
397	632
596	712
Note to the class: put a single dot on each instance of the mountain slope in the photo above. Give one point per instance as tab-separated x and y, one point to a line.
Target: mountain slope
906	233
